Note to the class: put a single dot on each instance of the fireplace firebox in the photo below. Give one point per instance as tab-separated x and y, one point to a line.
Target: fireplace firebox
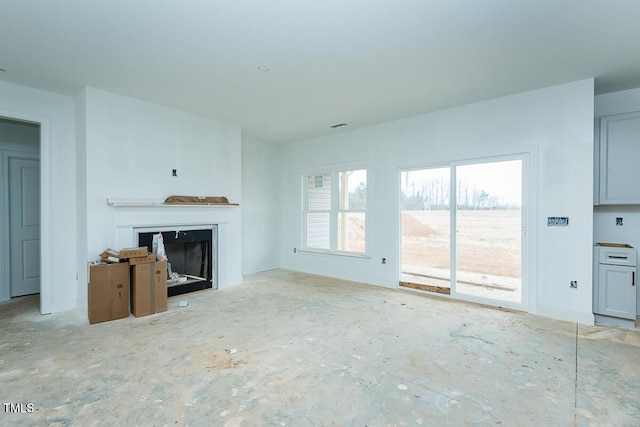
192	258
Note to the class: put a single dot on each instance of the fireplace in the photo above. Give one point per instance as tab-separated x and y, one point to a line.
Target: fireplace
192	258
134	217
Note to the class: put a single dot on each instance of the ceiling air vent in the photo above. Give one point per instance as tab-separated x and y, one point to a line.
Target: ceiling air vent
339	125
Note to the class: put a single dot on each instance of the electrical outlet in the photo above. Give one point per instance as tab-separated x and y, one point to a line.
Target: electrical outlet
294	250
573	284
619	220
384	260
174	172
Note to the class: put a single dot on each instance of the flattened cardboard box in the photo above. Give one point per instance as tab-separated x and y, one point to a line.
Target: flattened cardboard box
149	288
108	292
110	255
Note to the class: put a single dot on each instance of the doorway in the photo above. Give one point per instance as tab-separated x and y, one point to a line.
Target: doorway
462	230
20	225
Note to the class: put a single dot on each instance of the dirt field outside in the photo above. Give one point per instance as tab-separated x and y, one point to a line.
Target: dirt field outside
489	241
488	251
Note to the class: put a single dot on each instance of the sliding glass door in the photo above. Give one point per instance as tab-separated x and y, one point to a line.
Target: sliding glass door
426	225
469	245
489	230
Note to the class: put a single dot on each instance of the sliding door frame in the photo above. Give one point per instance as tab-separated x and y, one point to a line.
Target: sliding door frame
528	227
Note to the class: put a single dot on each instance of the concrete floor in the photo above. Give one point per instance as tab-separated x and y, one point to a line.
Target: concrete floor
309	351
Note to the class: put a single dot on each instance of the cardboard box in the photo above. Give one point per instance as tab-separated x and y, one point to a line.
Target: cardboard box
108	292
142	260
133	252
111	255
149	288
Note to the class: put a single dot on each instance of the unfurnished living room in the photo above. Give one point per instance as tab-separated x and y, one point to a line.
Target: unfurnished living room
297	213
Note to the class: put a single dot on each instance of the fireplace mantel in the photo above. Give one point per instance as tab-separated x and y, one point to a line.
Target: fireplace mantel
158	203
144	214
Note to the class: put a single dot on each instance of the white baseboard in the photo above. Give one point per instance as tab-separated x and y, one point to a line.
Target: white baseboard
60	307
567	315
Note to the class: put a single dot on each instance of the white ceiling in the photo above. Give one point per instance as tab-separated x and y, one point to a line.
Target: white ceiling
331	61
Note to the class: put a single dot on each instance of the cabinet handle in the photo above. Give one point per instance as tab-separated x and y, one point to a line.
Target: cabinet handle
633	278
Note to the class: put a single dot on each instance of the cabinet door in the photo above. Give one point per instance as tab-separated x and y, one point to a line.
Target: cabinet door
619	159
617	291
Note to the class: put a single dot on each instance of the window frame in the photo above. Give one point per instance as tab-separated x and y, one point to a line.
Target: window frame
335	210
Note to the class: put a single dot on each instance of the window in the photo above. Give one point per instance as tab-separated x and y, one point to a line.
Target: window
334	210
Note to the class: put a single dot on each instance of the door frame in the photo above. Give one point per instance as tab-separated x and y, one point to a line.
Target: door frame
46	205
528	155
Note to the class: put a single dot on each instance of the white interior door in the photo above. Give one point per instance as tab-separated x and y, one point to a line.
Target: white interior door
24	226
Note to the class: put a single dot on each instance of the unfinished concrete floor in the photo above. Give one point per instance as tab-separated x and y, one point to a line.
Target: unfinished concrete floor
311	351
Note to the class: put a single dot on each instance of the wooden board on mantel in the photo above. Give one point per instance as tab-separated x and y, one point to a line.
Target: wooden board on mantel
198	200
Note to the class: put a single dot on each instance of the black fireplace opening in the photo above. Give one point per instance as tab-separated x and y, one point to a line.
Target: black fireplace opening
190	255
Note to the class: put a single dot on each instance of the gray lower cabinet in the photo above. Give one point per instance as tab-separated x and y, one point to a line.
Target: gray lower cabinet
617	291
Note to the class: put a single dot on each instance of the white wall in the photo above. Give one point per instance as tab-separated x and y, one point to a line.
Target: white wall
261	204
132	147
55	113
555	123
604	217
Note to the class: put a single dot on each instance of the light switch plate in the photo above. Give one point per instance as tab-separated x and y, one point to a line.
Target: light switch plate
558	221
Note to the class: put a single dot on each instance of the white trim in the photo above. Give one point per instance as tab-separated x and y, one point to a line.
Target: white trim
528	157
453	236
5	288
331	252
132	220
47	304
524	280
567	315
531	267
334	171
346	166
165	228
155	203
215	240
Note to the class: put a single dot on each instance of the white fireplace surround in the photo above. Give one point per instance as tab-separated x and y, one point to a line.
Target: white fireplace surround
137	217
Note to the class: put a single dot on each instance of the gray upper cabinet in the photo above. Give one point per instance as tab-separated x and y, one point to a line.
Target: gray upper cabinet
619	159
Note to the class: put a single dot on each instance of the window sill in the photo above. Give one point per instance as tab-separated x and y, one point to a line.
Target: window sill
338	253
